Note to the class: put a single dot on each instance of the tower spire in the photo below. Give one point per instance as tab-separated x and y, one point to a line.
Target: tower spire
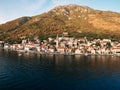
57	40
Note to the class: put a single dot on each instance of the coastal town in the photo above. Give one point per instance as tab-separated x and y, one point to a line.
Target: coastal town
67	46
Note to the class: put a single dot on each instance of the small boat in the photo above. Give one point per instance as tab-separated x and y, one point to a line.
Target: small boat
117	53
70	54
86	54
19	54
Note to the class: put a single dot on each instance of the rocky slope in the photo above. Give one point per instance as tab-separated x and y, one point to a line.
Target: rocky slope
77	20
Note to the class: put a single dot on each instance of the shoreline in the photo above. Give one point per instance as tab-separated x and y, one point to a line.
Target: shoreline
57	53
66	54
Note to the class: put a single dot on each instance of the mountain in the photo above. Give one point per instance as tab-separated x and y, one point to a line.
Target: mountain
78	21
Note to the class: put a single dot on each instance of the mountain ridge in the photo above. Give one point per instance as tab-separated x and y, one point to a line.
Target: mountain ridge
77	20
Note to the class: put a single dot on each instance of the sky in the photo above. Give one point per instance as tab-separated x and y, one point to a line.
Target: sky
12	9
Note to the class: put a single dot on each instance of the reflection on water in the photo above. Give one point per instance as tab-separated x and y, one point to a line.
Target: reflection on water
58	72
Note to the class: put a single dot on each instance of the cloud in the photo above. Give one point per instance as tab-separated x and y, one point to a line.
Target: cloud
2	19
57	2
20	8
31	5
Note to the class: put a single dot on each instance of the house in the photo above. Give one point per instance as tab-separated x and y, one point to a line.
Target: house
14	46
93	51
60	50
50	39
51	50
20	46
2	44
102	50
65	33
78	51
68	50
6	46
38	48
70	43
27	47
24	42
62	44
115	50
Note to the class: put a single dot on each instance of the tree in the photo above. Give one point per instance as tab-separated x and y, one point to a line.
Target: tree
98	44
108	45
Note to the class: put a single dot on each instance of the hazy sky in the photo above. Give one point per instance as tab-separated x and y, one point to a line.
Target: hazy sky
12	9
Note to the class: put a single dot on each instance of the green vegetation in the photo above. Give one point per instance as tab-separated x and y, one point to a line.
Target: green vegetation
62	19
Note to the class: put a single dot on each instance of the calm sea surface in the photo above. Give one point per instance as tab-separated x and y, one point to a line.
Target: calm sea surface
58	72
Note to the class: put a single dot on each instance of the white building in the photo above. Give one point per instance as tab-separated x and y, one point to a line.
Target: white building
78	51
60	49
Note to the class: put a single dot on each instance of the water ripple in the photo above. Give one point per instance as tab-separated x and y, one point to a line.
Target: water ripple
58	72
